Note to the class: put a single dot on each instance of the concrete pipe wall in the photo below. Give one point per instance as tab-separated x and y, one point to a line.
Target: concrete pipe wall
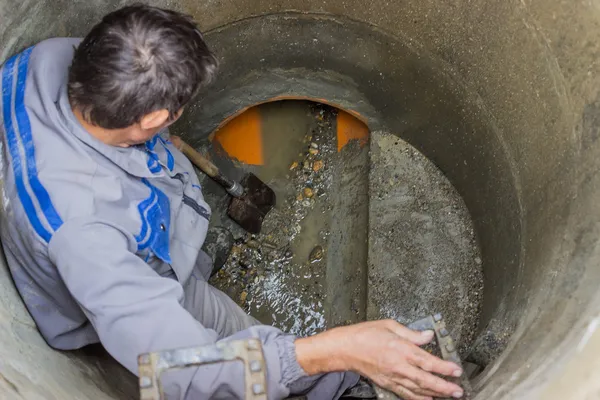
503	96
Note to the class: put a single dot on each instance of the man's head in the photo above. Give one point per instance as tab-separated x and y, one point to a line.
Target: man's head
136	70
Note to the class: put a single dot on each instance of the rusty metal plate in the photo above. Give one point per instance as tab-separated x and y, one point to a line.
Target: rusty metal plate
249	352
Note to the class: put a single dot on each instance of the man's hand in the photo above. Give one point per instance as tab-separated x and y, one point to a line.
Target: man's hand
385	352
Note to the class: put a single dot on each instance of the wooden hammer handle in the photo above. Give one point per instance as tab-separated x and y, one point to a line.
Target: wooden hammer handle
210	169
196	158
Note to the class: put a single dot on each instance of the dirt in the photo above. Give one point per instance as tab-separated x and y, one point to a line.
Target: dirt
423	253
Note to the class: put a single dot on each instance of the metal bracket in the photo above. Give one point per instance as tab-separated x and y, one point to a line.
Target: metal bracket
447	348
249	352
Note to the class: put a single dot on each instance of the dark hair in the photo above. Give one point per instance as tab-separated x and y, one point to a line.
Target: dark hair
139	59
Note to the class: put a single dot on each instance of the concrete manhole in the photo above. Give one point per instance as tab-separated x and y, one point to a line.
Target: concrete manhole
503	98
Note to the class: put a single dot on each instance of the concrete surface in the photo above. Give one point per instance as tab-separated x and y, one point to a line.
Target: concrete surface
503	97
423	254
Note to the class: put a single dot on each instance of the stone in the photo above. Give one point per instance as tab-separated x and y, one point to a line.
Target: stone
318	165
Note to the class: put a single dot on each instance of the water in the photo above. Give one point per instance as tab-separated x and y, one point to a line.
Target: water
272	275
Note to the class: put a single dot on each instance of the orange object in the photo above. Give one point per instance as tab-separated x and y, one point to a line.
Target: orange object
350	128
241	137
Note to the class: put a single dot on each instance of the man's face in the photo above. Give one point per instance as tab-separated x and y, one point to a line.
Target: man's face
146	129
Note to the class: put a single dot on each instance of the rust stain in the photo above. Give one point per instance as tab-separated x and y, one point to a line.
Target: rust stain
350	128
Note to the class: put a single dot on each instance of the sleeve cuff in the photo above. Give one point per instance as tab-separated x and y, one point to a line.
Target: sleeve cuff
291	371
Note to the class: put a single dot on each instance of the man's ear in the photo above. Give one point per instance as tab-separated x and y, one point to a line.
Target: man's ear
155	119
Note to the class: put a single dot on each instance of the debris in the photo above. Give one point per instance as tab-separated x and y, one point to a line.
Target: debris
316	254
253	244
235	251
269	245
263	271
317	165
245	261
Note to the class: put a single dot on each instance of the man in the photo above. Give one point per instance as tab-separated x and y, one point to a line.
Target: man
104	220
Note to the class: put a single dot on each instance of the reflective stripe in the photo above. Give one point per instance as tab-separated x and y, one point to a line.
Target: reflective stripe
154	159
13	146
156	216
153	164
39	191
143	238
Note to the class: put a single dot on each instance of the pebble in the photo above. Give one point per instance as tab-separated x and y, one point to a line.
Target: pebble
299	197
317	165
478	261
313	145
253	244
270	245
294	165
316	254
306	165
308	192
243	296
312	151
244	262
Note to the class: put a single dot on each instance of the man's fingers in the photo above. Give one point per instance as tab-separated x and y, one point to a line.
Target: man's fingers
430	363
407	394
427	381
413	387
417	337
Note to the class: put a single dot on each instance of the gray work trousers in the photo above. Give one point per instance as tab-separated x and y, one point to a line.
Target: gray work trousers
211	307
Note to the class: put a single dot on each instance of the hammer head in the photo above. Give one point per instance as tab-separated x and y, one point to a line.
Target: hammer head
250	209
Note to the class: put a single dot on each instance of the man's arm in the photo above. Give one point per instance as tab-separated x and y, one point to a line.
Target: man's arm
384	351
134	310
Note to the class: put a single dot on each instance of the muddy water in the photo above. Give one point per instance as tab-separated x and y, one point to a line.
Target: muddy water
279	275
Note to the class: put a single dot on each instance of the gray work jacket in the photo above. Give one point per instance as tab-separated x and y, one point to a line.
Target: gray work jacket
100	240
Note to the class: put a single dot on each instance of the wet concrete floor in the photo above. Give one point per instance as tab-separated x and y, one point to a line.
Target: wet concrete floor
313	267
